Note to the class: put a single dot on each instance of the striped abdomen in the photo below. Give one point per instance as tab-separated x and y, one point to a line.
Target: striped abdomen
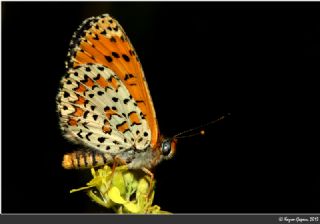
85	159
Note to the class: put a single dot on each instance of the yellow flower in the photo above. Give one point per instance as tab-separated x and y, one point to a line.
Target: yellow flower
124	191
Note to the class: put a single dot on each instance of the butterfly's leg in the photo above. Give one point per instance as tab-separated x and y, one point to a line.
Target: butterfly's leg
117	160
148	172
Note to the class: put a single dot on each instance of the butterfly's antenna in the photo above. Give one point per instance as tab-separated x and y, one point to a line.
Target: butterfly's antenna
179	135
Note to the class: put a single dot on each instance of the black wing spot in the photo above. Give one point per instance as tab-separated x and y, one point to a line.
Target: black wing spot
115	99
91	95
88	69
101	68
66	94
85	125
132	53
128	76
145	134
100	93
85	114
97	77
125	57
108	58
125	101
79	134
86	78
115	54
140	140
88	135
112	39
96	37
95	117
101	139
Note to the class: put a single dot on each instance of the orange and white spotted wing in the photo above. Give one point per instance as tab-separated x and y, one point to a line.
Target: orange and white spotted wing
102	40
97	110
104	101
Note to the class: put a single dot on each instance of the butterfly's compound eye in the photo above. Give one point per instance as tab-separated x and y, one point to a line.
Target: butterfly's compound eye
168	148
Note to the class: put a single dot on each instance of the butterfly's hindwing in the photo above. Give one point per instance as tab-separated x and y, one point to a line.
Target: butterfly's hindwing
97	109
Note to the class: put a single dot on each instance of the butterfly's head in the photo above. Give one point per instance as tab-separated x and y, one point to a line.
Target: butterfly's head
168	147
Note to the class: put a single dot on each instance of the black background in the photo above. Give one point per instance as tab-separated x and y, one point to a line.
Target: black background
257	61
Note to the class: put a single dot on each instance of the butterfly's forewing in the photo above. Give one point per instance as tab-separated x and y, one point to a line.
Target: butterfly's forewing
101	40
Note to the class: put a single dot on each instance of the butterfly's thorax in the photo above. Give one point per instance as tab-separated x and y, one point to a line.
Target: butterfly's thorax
147	158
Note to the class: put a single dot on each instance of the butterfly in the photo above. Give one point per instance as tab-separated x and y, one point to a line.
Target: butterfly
104	103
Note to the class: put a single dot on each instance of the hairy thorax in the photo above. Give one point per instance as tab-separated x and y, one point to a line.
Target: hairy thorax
136	159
